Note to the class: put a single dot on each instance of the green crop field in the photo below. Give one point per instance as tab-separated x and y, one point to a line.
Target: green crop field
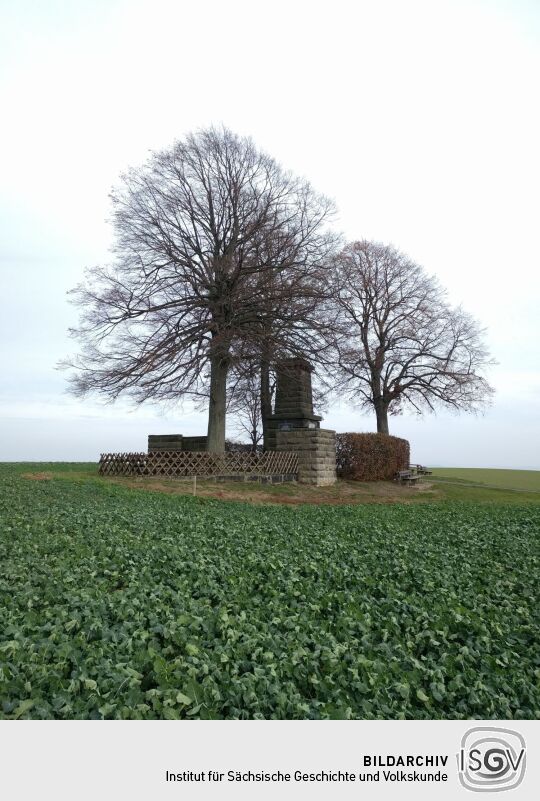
121	603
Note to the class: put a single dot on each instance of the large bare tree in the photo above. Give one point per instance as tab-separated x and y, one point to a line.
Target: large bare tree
208	236
398	341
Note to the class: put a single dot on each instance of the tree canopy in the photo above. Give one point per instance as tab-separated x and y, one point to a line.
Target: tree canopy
212	238
398	341
224	263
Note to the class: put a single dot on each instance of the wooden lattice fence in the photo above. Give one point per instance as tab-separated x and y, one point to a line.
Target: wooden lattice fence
176	464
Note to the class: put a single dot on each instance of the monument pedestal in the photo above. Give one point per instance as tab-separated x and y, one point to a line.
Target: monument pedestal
316	451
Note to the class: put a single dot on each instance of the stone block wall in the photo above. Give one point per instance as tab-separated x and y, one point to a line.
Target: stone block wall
194	443
316	449
165	442
175	442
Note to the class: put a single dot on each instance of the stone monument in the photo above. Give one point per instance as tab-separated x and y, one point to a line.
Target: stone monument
294	427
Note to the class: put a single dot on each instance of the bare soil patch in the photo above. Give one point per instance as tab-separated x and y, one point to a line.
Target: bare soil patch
38	476
343	492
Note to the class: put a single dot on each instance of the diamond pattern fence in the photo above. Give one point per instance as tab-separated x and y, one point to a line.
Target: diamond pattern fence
198	463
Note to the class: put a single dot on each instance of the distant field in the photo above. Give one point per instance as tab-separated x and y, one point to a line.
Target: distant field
528	480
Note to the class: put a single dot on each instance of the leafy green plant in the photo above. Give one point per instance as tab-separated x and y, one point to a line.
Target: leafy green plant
123	604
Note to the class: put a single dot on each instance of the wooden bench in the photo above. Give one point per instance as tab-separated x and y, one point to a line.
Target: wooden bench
420	470
406	477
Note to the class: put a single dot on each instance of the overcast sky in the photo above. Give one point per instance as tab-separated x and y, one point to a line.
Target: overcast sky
420	119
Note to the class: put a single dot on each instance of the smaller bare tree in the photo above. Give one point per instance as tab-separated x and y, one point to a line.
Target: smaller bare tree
245	406
246	399
398	342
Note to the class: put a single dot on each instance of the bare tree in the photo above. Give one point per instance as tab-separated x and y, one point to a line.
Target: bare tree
206	233
398	342
245	405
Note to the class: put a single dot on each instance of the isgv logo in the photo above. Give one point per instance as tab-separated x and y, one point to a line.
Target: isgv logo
491	759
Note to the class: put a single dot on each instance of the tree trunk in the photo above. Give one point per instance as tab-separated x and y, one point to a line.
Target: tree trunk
219	367
266	399
254	438
381	410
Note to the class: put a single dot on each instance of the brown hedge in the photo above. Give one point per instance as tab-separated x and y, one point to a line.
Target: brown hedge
370	457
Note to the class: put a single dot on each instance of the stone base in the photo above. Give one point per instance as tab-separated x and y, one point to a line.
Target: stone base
316	449
288	422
